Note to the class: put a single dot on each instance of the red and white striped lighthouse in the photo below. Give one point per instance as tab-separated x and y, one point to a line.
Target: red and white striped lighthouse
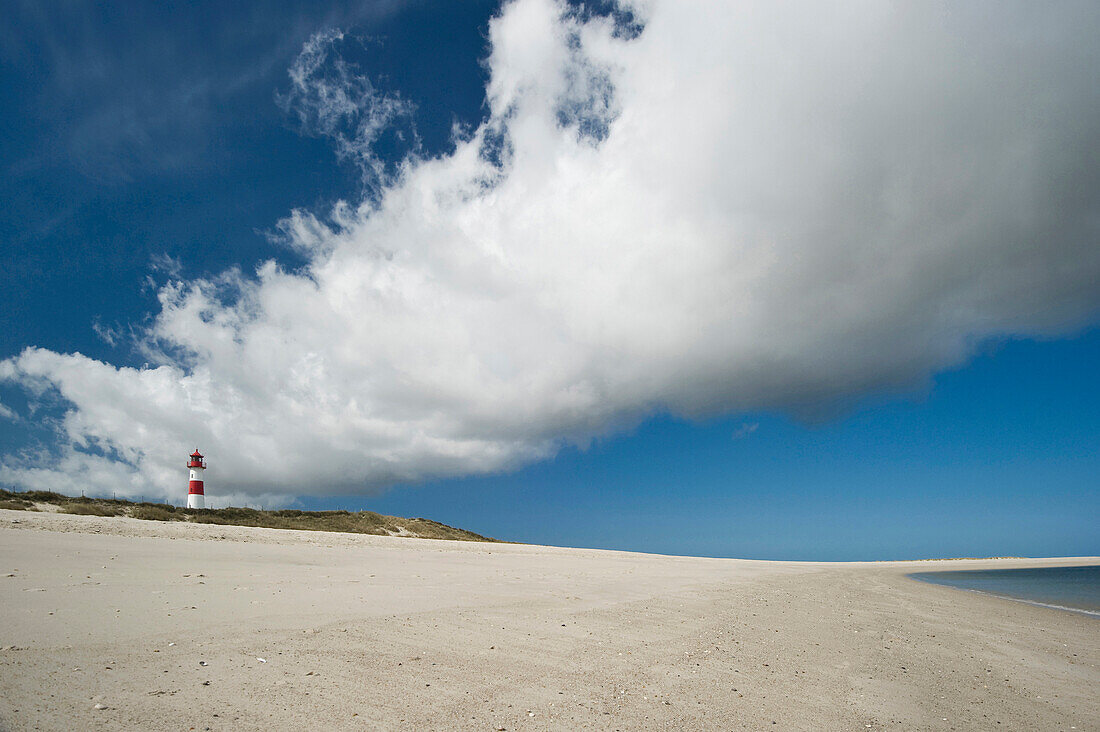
195	496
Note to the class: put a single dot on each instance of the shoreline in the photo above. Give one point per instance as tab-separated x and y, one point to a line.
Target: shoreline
1089	609
366	631
1036	603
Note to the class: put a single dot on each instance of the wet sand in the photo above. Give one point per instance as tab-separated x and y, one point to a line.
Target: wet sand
113	623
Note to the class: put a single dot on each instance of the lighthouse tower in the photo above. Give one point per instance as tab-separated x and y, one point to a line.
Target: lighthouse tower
195	497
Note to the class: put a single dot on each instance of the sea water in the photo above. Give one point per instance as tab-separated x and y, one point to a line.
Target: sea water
1066	588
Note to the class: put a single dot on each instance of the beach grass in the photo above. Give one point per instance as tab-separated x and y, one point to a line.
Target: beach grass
355	522
89	507
155	512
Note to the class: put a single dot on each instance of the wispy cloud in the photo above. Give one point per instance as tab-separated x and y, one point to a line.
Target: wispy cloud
746	206
166	264
331	97
745	430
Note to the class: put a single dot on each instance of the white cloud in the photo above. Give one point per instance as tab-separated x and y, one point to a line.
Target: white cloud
747	206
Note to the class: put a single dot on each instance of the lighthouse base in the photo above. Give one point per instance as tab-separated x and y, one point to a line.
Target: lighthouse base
196	500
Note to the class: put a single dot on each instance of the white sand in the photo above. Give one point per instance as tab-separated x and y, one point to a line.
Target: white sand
373	632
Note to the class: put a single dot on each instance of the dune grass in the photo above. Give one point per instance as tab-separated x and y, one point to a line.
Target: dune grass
156	512
91	507
355	522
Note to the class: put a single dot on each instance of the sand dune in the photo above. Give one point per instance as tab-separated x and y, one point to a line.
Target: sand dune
126	624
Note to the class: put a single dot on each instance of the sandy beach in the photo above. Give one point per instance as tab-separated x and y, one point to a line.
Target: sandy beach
115	623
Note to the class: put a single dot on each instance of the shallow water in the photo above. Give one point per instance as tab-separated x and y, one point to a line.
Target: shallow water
1066	588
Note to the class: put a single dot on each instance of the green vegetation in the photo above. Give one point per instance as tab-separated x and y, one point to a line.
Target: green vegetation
36	496
355	522
359	522
88	507
156	512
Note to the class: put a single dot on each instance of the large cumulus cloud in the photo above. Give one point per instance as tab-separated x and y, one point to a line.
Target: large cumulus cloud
743	206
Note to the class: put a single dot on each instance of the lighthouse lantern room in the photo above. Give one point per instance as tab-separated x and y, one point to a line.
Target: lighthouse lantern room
195	496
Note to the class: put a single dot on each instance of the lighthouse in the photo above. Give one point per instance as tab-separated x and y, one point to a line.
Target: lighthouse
195	496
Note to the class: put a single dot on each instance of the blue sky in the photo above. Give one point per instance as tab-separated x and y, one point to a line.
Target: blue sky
665	282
